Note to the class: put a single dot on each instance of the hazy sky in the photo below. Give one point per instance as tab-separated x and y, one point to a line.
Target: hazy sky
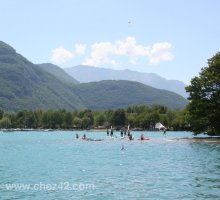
173	38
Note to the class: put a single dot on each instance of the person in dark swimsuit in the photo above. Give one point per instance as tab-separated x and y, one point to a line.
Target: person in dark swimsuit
112	132
122	134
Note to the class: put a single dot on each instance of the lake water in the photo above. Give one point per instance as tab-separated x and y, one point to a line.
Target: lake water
56	166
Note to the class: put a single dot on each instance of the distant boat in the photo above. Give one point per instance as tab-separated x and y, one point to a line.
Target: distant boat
91	139
46	130
11	129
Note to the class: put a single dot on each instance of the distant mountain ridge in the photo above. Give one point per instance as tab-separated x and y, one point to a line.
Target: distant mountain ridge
86	74
28	86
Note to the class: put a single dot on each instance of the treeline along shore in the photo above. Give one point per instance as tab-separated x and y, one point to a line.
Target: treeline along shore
138	117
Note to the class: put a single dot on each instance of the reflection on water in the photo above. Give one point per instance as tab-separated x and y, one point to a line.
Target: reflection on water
156	169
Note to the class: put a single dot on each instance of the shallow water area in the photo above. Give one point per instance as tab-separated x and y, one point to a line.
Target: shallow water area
56	165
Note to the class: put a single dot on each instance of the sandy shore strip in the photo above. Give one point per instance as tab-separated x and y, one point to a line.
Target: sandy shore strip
198	139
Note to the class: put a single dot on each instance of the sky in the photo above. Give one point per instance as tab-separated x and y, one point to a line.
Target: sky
172	38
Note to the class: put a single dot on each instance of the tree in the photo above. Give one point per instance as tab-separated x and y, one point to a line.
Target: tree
87	114
181	121
144	121
132	120
109	116
204	96
5	122
68	120
77	122
100	119
58	118
38	118
171	115
1	113
86	122
47	119
119	118
153	118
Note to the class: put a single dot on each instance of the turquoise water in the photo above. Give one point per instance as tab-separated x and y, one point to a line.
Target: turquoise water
157	169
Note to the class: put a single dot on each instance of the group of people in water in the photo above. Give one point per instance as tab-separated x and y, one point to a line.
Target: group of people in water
124	133
111	134
83	137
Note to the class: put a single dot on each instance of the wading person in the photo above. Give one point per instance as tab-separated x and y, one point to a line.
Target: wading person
112	132
121	133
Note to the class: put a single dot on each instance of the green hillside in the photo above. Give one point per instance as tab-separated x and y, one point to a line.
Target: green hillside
24	85
121	94
58	73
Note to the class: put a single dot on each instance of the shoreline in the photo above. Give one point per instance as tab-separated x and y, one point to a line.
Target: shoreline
72	129
211	139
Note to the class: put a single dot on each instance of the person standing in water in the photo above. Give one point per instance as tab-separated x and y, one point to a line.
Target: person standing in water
164	132
77	136
130	136
121	133
84	136
129	133
107	132
142	136
111	132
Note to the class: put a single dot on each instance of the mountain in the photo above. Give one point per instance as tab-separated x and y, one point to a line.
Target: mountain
58	73
121	94
24	85
85	74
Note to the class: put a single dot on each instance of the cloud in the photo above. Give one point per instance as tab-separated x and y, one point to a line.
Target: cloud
102	52
80	49
110	53
61	55
159	52
130	47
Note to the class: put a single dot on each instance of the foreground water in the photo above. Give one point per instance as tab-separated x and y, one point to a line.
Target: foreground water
54	165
